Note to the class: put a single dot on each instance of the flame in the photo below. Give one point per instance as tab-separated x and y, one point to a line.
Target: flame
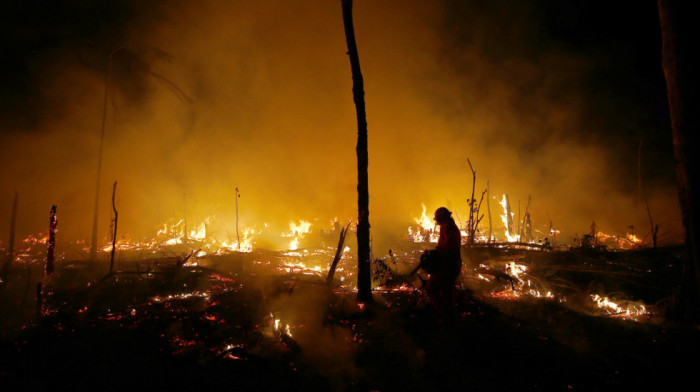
297	232
425	232
627	309
510	237
629	241
277	323
634	239
172	234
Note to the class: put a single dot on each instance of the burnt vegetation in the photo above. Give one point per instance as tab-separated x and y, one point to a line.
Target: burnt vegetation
217	321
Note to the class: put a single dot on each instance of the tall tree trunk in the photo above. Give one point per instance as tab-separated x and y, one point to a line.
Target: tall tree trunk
50	254
238	237
471	226
488	206
93	241
364	278
680	63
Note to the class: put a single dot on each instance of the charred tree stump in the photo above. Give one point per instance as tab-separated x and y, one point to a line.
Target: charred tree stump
364	275
50	258
93	241
680	63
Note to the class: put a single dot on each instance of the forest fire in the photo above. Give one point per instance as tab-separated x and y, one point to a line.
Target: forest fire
234	130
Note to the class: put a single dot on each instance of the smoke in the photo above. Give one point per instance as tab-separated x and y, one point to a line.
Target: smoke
270	111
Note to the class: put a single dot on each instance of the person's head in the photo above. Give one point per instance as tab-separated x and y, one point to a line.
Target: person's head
442	215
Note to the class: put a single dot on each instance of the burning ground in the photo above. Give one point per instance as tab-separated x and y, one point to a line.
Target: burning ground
527	319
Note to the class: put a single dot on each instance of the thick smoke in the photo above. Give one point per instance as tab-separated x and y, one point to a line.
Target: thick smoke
270	111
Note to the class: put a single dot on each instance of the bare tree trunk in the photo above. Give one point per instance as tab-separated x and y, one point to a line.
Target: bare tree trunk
643	194
488	206
679	55
509	218
114	234
93	242
364	278
238	237
184	218
50	258
522	228
470	225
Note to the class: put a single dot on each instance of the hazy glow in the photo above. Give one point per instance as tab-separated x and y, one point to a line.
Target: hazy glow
272	114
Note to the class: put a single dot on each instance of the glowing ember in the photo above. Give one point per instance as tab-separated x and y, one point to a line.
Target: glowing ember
194	294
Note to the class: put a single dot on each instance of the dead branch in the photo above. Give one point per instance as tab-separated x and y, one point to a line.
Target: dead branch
338	253
184	261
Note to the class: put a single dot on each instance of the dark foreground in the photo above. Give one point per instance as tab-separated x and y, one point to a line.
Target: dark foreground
194	328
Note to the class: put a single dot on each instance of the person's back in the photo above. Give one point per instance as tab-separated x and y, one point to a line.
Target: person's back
441	284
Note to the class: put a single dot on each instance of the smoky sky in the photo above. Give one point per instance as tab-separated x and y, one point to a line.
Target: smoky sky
550	99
